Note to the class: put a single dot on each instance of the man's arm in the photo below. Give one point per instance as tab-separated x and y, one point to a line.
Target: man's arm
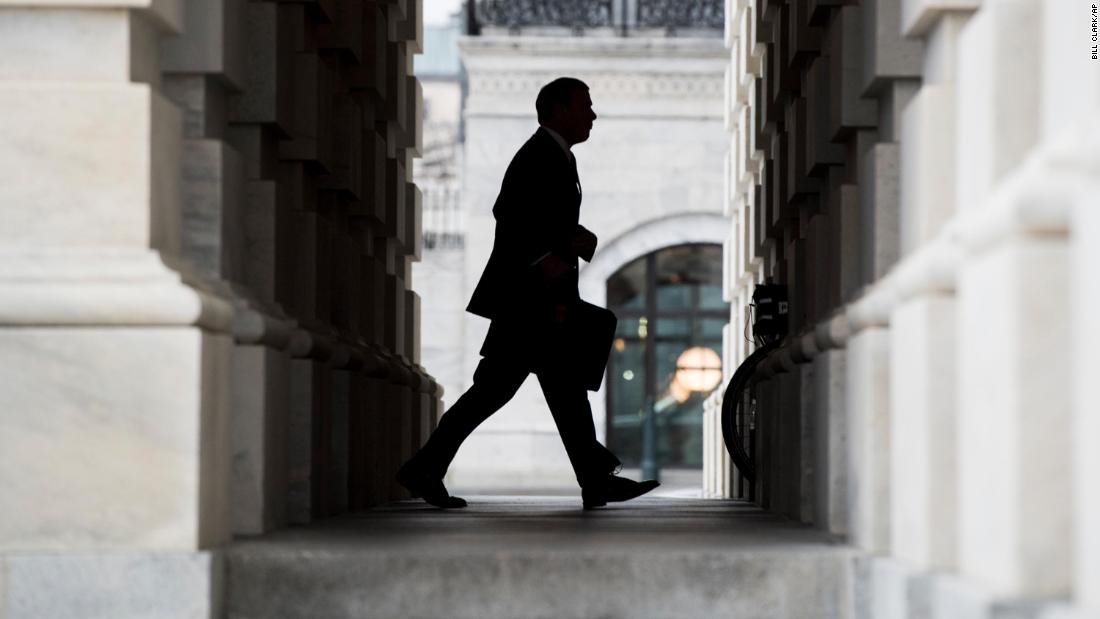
584	243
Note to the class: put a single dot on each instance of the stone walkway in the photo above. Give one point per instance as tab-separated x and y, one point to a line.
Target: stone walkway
543	557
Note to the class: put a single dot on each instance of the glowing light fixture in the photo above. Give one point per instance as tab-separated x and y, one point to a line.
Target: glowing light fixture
698	369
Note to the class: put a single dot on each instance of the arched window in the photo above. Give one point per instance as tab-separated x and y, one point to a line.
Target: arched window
670	310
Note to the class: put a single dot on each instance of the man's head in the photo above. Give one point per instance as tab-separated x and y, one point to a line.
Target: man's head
565	106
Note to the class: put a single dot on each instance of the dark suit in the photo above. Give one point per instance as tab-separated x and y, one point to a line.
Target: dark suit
537	213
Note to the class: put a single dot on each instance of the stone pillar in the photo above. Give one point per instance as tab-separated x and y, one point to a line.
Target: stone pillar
1014	529
923	433
1013	436
229	220
1086	423
807	460
868	391
790	436
923	334
115	446
830	422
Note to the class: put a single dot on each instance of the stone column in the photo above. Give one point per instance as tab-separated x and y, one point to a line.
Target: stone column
229	218
1014	442
830	422
869	420
1086	423
923	346
115	445
1073	119
1013	411
807	473
789	449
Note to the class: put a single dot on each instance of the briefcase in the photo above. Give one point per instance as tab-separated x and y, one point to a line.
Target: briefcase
589	333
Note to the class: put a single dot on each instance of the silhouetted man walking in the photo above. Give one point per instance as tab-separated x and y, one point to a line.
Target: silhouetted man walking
528	291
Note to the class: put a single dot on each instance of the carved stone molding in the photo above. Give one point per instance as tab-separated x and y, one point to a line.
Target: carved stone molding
626	85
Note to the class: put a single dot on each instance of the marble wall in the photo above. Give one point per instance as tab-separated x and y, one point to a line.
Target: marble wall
917	186
206	310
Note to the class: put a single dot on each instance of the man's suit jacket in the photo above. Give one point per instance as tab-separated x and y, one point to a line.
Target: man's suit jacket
537	212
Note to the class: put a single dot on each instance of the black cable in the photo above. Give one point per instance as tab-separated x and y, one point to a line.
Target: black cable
748	318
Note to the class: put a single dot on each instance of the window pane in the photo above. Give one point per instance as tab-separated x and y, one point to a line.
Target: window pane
673	297
667	354
626	288
688	312
634	327
710	297
687	273
673	327
626	397
680	439
711	328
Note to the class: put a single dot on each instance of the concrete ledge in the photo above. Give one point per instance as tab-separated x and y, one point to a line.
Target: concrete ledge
543	557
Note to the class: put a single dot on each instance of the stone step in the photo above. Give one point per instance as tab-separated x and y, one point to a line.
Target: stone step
513	557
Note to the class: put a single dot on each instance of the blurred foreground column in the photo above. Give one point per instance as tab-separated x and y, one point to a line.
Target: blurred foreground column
114	436
1014	442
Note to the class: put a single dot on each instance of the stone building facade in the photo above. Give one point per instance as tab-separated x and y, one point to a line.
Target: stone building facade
922	177
440	274
651	176
206	321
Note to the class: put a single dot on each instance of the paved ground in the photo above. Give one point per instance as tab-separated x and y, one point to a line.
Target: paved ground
543	557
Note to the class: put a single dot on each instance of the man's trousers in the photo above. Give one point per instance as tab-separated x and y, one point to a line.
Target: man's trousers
496	380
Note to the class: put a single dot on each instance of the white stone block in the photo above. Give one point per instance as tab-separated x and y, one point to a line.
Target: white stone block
1014	437
114	438
868	391
923	432
1069	89
831	442
956	598
64	44
927	176
889	589
87	165
997	102
918	16
169	585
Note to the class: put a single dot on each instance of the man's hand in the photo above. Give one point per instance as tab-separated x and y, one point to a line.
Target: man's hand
584	243
553	267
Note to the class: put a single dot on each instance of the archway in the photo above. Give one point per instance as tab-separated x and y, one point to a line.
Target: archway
666	355
644	238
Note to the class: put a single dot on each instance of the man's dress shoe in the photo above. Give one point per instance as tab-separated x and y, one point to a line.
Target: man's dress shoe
430	489
612	489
